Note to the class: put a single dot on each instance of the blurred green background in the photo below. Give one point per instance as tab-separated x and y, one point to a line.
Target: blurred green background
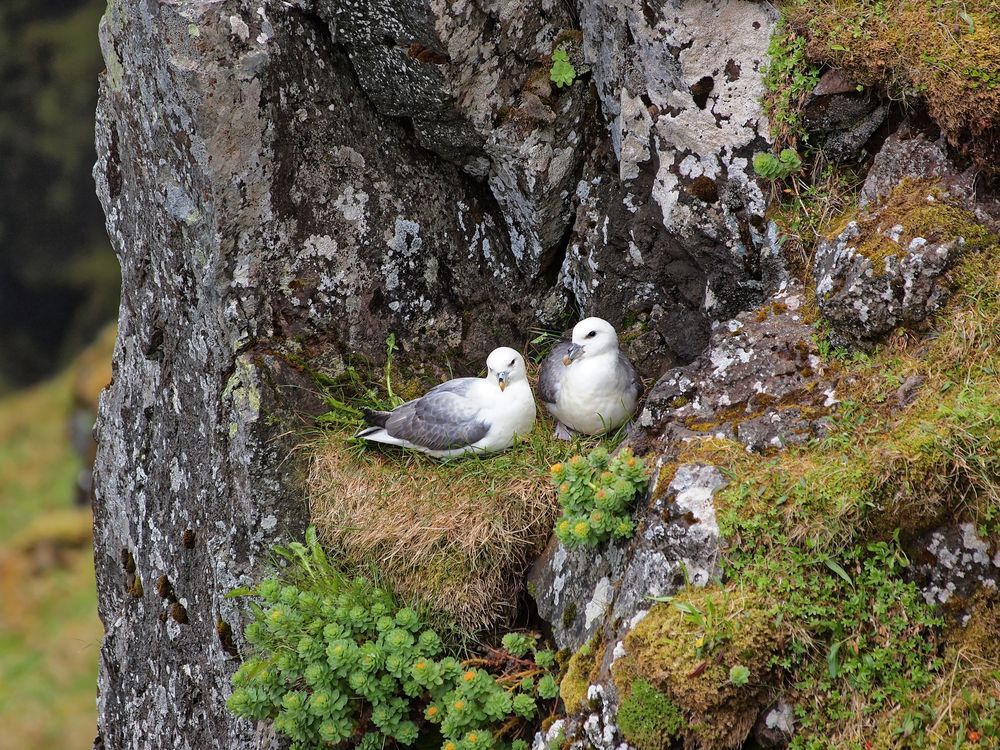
58	294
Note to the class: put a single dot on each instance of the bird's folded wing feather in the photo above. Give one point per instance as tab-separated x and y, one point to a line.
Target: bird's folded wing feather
550	374
442	419
634	381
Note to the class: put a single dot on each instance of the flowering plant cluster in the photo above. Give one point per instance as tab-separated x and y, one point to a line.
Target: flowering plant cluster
596	494
338	663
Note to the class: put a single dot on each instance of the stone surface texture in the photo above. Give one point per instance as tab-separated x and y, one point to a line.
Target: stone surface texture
761	382
292	181
864	299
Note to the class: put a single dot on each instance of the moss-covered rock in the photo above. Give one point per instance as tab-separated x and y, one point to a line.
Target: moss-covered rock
685	650
944	51
581	671
885	268
648	719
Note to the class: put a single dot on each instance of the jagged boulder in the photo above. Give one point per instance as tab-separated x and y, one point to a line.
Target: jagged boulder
761	382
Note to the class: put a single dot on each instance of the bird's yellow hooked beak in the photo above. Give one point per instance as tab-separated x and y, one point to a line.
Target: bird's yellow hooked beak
502	380
575	350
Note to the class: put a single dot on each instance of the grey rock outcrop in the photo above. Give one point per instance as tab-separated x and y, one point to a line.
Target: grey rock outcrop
581	592
952	563
761	381
840	118
866	298
671	228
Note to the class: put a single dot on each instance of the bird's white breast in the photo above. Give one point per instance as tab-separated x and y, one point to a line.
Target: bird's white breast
595	395
509	413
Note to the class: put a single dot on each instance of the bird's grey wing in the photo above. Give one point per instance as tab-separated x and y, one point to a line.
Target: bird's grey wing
634	381
442	419
550	374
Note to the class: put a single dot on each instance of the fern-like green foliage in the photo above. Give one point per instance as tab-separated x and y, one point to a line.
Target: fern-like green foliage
562	73
337	662
596	494
772	167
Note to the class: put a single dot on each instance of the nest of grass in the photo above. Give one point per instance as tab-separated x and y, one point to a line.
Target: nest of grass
455	536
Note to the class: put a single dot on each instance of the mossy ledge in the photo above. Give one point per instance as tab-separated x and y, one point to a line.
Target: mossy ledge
816	599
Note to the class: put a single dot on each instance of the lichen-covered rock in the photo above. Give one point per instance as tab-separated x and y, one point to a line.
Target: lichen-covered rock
671	229
761	381
677	543
953	563
294	181
909	154
864	298
574	589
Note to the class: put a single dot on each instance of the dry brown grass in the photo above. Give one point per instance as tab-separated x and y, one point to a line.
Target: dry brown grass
455	536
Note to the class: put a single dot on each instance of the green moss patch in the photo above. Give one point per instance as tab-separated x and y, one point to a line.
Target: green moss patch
685	650
581	673
922	209
648	719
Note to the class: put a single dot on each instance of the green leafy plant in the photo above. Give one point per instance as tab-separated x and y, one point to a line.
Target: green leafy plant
789	78
562	73
338	661
772	167
596	494
739	675
648	719
715	628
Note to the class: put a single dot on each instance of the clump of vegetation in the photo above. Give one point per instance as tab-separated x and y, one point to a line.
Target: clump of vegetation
596	494
685	650
779	167
455	534
337	661
788	79
942	51
562	73
581	673
648	719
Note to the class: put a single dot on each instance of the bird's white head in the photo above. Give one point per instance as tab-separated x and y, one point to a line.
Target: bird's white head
592	336
505	366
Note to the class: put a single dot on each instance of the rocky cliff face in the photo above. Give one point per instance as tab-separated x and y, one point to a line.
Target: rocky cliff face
290	182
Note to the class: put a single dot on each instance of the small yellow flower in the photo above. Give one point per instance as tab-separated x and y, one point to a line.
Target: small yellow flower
469	676
630	462
581	529
473	737
420	665
458	705
432	711
449	746
564	487
557	468
700	642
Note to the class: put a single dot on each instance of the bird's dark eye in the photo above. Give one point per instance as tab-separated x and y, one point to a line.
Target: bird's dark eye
591	334
512	363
